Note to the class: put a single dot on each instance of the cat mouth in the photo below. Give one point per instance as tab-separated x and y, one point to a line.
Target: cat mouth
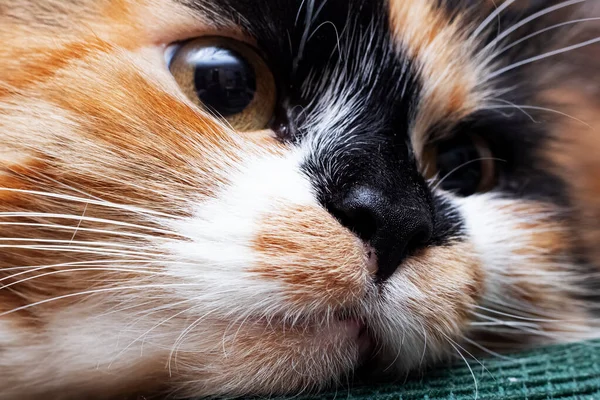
343	326
359	332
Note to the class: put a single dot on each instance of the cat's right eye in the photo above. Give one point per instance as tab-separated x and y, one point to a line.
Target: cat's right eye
227	78
463	164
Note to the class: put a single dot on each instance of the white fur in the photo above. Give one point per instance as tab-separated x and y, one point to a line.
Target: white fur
221	231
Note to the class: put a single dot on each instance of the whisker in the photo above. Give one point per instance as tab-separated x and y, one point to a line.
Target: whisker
523	107
491	17
81	229
155	326
468	366
469	354
97	291
87	219
71	242
497	322
517	306
64	271
398	352
90	200
532	35
424	346
504	314
486	350
108	178
80	221
527	20
107	261
245	318
541	57
511	105
83	264
180	339
81	249
532	329
462	166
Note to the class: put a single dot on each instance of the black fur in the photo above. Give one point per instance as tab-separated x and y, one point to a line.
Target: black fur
313	46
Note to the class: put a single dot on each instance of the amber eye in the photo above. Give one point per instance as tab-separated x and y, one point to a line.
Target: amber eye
227	78
464	165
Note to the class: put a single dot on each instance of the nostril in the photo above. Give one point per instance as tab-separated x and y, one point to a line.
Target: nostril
362	223
358	212
393	228
359	220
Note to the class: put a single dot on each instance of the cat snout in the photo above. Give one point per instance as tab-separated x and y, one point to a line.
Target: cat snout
391	228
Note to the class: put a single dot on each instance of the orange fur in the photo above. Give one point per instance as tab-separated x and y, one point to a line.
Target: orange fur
101	154
438	272
443	53
574	155
317	259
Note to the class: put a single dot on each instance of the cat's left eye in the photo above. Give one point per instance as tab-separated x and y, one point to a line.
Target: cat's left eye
227	78
464	165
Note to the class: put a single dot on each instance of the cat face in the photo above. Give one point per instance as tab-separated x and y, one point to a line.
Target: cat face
222	198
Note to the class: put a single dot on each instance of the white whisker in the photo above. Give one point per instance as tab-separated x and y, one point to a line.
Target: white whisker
486	350
97	291
68	243
491	17
80	221
90	200
80	249
511	105
87	219
462	166
527	20
468	366
525	107
550	28
504	314
85	264
498	322
164	321
95	262
81	229
541	57
64	271
179	341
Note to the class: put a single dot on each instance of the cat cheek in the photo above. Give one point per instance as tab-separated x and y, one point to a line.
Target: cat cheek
273	241
526	249
427	304
512	236
267	359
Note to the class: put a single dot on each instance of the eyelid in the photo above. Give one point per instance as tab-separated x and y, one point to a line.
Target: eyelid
170	51
228	32
172	48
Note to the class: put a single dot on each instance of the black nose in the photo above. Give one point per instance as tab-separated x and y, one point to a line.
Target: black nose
393	227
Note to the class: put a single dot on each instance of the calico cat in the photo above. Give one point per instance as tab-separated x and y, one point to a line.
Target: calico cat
220	198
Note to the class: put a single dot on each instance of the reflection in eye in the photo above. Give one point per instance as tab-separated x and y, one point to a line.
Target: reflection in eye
227	78
224	80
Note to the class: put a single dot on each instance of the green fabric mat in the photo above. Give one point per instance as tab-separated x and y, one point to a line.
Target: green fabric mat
559	372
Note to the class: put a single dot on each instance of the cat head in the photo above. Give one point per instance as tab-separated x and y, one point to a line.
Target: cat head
261	196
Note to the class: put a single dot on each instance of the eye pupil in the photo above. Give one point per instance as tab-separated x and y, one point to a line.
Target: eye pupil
224	80
464	166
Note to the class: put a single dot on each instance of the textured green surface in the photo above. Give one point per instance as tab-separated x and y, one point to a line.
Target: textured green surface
560	372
